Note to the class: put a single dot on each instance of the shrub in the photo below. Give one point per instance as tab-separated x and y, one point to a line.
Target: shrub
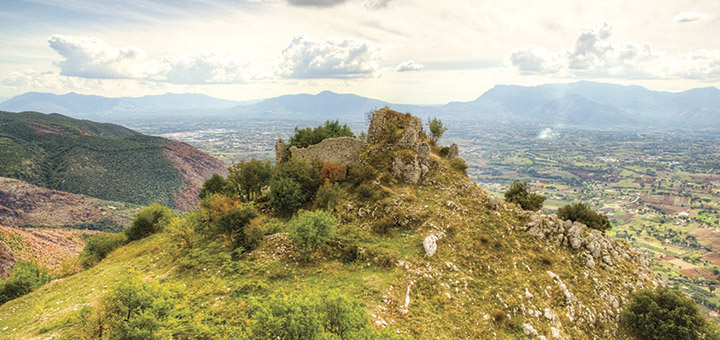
459	165
306	137
519	194
148	221
249	178
582	213
312	229
228	217
350	254
286	194
332	172
327	196
25	278
307	176
99	246
444	151
665	314
216	185
132	309
362	173
330	315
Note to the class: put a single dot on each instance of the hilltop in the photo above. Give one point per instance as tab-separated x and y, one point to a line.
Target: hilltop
105	161
419	249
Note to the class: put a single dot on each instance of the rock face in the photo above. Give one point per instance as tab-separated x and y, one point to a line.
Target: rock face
343	150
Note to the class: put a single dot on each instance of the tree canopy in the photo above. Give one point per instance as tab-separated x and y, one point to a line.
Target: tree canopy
520	194
307	136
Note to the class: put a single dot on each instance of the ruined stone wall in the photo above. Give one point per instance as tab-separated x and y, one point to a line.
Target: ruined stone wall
342	150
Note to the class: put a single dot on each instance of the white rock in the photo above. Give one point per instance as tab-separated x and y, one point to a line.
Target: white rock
529	330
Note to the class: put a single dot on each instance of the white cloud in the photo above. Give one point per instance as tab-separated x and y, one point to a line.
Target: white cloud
316	3
685	17
409	65
93	58
376	4
310	58
594	55
209	68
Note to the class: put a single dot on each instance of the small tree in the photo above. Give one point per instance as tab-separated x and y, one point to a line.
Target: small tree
520	194
582	213
217	185
148	221
436	129
249	178
331	129
285	194
665	314
312	229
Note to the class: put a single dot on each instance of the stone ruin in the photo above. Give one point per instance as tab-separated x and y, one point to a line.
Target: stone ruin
346	150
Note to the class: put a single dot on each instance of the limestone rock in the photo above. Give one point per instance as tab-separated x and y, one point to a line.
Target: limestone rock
528	329
430	243
453	152
281	151
409	172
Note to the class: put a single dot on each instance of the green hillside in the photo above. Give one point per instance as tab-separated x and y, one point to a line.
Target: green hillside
239	270
106	161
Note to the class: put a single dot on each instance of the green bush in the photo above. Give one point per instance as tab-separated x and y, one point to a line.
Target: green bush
26	277
312	229
285	195
148	221
444	151
306	137
249	178
132	309
237	222
459	165
519	194
308	176
99	246
582	213
327	196
665	314
329	316
217	185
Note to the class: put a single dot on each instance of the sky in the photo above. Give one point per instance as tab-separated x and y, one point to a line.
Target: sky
400	51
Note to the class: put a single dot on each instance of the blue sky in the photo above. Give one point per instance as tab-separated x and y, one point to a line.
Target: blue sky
403	51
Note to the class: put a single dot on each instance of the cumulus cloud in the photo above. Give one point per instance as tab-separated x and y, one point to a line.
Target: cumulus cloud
685	17
307	57
594	54
316	3
209	68
407	66
93	58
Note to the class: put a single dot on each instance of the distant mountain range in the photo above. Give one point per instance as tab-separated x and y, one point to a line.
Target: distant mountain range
588	104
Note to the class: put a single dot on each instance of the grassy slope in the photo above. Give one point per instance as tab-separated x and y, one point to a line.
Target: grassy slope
481	270
100	160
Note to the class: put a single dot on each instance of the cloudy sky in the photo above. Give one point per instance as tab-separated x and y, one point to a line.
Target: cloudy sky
403	51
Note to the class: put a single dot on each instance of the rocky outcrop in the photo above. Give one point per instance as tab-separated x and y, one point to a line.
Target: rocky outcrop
385	121
342	150
453	152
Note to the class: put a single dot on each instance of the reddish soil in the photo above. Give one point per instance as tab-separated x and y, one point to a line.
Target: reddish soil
194	167
668	258
49	247
708	237
44	129
713	258
25	204
692	273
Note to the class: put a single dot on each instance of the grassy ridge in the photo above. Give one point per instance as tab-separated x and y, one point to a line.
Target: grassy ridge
101	160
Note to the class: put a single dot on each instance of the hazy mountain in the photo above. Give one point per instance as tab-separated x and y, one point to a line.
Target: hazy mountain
592	104
589	104
115	109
